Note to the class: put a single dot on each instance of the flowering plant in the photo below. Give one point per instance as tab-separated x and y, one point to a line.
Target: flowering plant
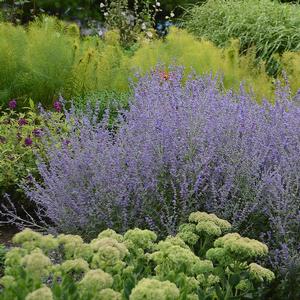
180	146
21	135
131	23
135	266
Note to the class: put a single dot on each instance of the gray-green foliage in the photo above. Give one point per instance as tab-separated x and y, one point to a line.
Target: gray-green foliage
270	26
203	261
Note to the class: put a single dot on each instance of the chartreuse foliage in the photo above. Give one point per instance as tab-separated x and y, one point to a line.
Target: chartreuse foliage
50	58
181	48
203	261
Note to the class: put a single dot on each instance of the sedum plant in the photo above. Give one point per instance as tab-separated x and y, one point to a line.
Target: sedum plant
135	266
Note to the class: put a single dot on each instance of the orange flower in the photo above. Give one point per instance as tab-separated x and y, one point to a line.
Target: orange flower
164	75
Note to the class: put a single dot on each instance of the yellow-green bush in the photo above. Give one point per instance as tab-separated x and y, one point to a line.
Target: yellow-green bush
98	66
13	41
49	58
181	48
291	65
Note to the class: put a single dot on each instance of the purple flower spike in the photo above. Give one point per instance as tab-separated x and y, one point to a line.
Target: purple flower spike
66	142
28	141
37	132
57	106
12	104
22	122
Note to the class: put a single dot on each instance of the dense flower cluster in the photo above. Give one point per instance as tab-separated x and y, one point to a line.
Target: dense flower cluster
133	266
183	145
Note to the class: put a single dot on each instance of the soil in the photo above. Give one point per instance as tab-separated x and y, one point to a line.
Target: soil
6	234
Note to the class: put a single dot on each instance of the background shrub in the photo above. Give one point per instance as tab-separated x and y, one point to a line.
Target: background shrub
183	49
270	26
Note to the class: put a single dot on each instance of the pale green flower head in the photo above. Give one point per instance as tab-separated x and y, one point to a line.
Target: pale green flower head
47	243
241	248
244	285
111	234
220	256
171	241
109	294
43	293
69	239
128	270
8	282
187	232
14	256
209	228
212	280
36	263
75	266
260	273
27	235
220	242
94	281
192	297
139	238
198	217
100	244
203	266
84	251
108	258
70	243
153	289
175	258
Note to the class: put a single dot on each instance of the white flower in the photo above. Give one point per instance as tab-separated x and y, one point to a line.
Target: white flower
172	15
144	26
158	4
167	17
149	34
102	5
106	14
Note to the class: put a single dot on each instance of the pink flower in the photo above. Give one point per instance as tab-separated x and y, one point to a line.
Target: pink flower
57	106
12	104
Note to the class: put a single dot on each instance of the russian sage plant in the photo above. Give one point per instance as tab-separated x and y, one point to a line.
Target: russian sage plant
180	147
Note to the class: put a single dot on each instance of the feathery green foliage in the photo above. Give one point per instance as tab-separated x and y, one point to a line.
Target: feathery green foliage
181	48
50	58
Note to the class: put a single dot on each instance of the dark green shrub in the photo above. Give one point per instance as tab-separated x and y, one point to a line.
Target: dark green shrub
269	26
